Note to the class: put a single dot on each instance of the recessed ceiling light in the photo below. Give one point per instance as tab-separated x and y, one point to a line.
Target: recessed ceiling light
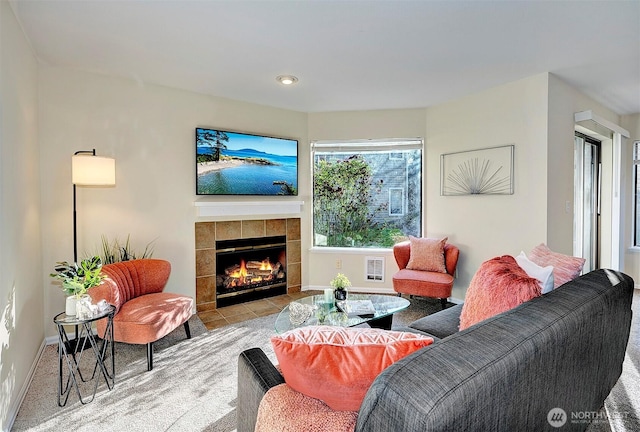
287	79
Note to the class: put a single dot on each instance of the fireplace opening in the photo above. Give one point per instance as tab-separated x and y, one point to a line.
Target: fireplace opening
249	269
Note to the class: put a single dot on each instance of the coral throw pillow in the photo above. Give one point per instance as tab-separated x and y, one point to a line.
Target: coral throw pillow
427	254
565	267
337	365
498	285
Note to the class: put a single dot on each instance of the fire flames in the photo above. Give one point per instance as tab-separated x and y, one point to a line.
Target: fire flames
244	276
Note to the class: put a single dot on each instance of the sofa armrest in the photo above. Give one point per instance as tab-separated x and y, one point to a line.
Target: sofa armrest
440	324
256	375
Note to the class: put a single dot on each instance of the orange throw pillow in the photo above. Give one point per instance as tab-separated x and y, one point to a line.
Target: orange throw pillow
499	284
338	365
427	254
565	267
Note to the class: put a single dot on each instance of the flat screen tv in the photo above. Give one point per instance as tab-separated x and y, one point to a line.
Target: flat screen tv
235	163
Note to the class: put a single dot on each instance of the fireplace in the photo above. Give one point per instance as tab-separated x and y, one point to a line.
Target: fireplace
250	269
259	239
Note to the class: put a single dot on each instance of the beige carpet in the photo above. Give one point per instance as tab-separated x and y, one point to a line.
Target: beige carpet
193	384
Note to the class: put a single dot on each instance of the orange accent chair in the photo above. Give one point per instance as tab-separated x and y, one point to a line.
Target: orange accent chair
144	314
424	283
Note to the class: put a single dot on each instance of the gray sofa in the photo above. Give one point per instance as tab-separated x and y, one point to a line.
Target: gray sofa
562	350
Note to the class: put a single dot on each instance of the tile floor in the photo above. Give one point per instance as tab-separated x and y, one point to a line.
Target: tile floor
249	310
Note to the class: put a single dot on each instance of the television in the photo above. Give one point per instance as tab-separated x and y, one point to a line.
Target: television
236	163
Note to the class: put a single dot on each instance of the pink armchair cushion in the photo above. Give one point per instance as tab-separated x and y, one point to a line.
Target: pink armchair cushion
286	410
427	254
151	317
420	283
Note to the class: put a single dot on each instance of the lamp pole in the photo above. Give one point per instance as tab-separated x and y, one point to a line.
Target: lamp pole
75	231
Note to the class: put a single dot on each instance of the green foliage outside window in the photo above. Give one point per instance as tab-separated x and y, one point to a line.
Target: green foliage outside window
350	200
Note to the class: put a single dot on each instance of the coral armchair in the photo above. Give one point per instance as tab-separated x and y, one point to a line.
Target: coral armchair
144	314
436	284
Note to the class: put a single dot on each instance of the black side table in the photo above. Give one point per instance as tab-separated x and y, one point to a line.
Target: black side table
71	351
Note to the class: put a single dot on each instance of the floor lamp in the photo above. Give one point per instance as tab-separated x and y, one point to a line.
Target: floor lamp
87	169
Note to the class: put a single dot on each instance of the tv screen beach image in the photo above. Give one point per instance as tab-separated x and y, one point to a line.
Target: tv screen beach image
233	163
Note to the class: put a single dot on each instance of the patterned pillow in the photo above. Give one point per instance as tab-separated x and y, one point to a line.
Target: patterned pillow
499	284
337	365
427	254
565	267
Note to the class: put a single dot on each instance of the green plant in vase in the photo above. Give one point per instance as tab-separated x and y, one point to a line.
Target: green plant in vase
340	284
77	278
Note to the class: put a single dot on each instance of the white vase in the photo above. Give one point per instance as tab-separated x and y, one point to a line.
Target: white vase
70	306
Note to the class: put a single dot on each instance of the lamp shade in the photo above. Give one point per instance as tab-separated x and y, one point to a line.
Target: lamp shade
89	170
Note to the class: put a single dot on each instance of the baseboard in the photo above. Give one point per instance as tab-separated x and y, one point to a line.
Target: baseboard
15	405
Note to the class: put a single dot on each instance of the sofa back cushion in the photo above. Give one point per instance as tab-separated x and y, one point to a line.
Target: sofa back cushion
130	279
499	284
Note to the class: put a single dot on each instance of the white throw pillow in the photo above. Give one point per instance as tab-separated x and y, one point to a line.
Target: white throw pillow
543	274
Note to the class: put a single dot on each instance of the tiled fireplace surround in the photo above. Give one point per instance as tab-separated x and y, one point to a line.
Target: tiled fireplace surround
207	233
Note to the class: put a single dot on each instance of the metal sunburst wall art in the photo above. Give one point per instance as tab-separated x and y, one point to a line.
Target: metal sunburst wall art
486	171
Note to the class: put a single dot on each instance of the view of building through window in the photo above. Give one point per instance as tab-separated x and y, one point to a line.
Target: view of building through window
367	193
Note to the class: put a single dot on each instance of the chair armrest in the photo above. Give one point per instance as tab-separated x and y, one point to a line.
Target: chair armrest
440	324
256	375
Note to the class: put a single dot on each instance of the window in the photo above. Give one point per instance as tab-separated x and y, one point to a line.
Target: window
636	193
366	193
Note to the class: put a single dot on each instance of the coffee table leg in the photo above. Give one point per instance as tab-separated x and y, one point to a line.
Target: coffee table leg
382	323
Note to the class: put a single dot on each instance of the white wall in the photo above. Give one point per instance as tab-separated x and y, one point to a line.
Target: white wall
21	300
564	102
484	226
150	131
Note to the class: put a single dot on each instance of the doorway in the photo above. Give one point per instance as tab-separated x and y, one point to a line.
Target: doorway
587	196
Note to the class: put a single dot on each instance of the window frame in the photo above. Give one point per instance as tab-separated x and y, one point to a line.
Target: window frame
368	145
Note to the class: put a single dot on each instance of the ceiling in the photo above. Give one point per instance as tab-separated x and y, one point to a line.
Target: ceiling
349	54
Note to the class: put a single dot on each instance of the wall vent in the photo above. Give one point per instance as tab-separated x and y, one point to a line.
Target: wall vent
374	269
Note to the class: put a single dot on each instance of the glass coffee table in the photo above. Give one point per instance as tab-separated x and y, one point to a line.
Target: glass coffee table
313	310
